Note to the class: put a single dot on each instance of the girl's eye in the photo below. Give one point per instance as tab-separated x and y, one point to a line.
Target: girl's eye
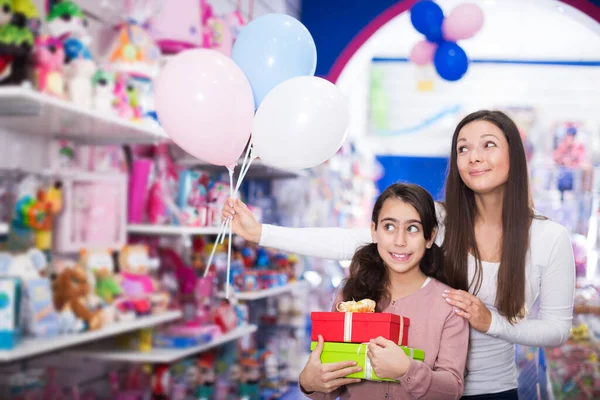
490	144
389	227
462	149
413	229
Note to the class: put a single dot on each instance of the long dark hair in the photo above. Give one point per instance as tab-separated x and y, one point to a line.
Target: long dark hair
517	213
368	273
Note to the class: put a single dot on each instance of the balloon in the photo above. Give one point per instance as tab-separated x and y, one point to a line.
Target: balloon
204	102
301	123
463	22
450	61
422	52
274	48
427	17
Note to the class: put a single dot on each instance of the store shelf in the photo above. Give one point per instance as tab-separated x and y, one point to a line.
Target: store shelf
27	111
35	347
257	170
143	229
263	294
3	229
162	355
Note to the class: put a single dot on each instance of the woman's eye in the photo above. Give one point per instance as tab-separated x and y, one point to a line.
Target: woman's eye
413	229
490	144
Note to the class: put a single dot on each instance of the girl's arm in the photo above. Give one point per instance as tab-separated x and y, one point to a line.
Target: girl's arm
330	243
556	302
446	379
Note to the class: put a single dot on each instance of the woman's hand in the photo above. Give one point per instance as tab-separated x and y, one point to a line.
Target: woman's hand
387	358
319	377
244	223
470	308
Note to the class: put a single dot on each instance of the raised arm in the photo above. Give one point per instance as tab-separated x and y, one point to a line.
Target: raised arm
330	243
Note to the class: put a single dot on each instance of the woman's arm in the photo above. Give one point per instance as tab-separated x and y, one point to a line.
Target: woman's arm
556	302
330	243
446	379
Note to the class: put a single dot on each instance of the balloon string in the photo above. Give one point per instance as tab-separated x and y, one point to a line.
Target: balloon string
243	174
212	253
230	233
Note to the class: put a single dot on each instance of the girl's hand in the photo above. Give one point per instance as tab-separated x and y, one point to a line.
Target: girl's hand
470	308
243	222
387	358
319	377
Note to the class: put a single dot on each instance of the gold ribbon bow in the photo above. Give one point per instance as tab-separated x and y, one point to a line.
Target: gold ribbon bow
363	306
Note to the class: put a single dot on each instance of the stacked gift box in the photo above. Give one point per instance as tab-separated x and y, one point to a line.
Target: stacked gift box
348	333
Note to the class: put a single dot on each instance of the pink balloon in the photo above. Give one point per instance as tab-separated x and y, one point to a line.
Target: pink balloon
205	104
422	52
463	22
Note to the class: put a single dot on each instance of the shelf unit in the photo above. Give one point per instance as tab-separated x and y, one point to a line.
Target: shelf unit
38	346
160	356
257	170
27	111
148	229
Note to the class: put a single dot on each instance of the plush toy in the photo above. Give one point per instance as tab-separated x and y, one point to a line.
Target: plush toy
126	101
19	23
79	81
71	290
137	284
103	97
49	55
101	263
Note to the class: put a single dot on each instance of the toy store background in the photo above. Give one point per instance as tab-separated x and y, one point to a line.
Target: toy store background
118	279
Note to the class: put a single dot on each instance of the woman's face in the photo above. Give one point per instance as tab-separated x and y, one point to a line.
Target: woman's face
482	157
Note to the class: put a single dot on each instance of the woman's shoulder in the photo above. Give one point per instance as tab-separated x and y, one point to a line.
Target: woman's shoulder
545	230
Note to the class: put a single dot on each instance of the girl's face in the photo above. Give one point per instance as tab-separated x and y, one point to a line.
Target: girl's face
482	157
399	237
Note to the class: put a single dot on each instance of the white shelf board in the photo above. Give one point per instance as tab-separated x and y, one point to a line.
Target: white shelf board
158	355
257	170
263	294
24	110
3	229
38	346
148	229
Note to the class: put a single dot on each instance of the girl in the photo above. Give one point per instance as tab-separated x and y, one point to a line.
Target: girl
401	271
515	269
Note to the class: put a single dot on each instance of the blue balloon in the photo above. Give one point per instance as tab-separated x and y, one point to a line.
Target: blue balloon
272	49
450	61
427	17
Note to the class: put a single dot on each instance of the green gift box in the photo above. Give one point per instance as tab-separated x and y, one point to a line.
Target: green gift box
337	352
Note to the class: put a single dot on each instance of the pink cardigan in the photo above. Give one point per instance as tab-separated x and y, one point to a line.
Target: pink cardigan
434	328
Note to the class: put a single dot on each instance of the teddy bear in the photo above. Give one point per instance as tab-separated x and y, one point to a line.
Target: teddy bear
71	291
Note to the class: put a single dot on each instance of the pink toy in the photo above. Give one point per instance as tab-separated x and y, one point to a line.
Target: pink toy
94	212
186	277
49	56
178	26
122	101
138	183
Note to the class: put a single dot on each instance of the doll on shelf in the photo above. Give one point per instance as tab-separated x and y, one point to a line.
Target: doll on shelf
141	290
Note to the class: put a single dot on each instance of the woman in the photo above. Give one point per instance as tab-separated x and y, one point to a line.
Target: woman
506	261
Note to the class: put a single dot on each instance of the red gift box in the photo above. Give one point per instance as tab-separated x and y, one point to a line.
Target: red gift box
359	327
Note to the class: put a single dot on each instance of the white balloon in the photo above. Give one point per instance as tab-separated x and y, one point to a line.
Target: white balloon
301	123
